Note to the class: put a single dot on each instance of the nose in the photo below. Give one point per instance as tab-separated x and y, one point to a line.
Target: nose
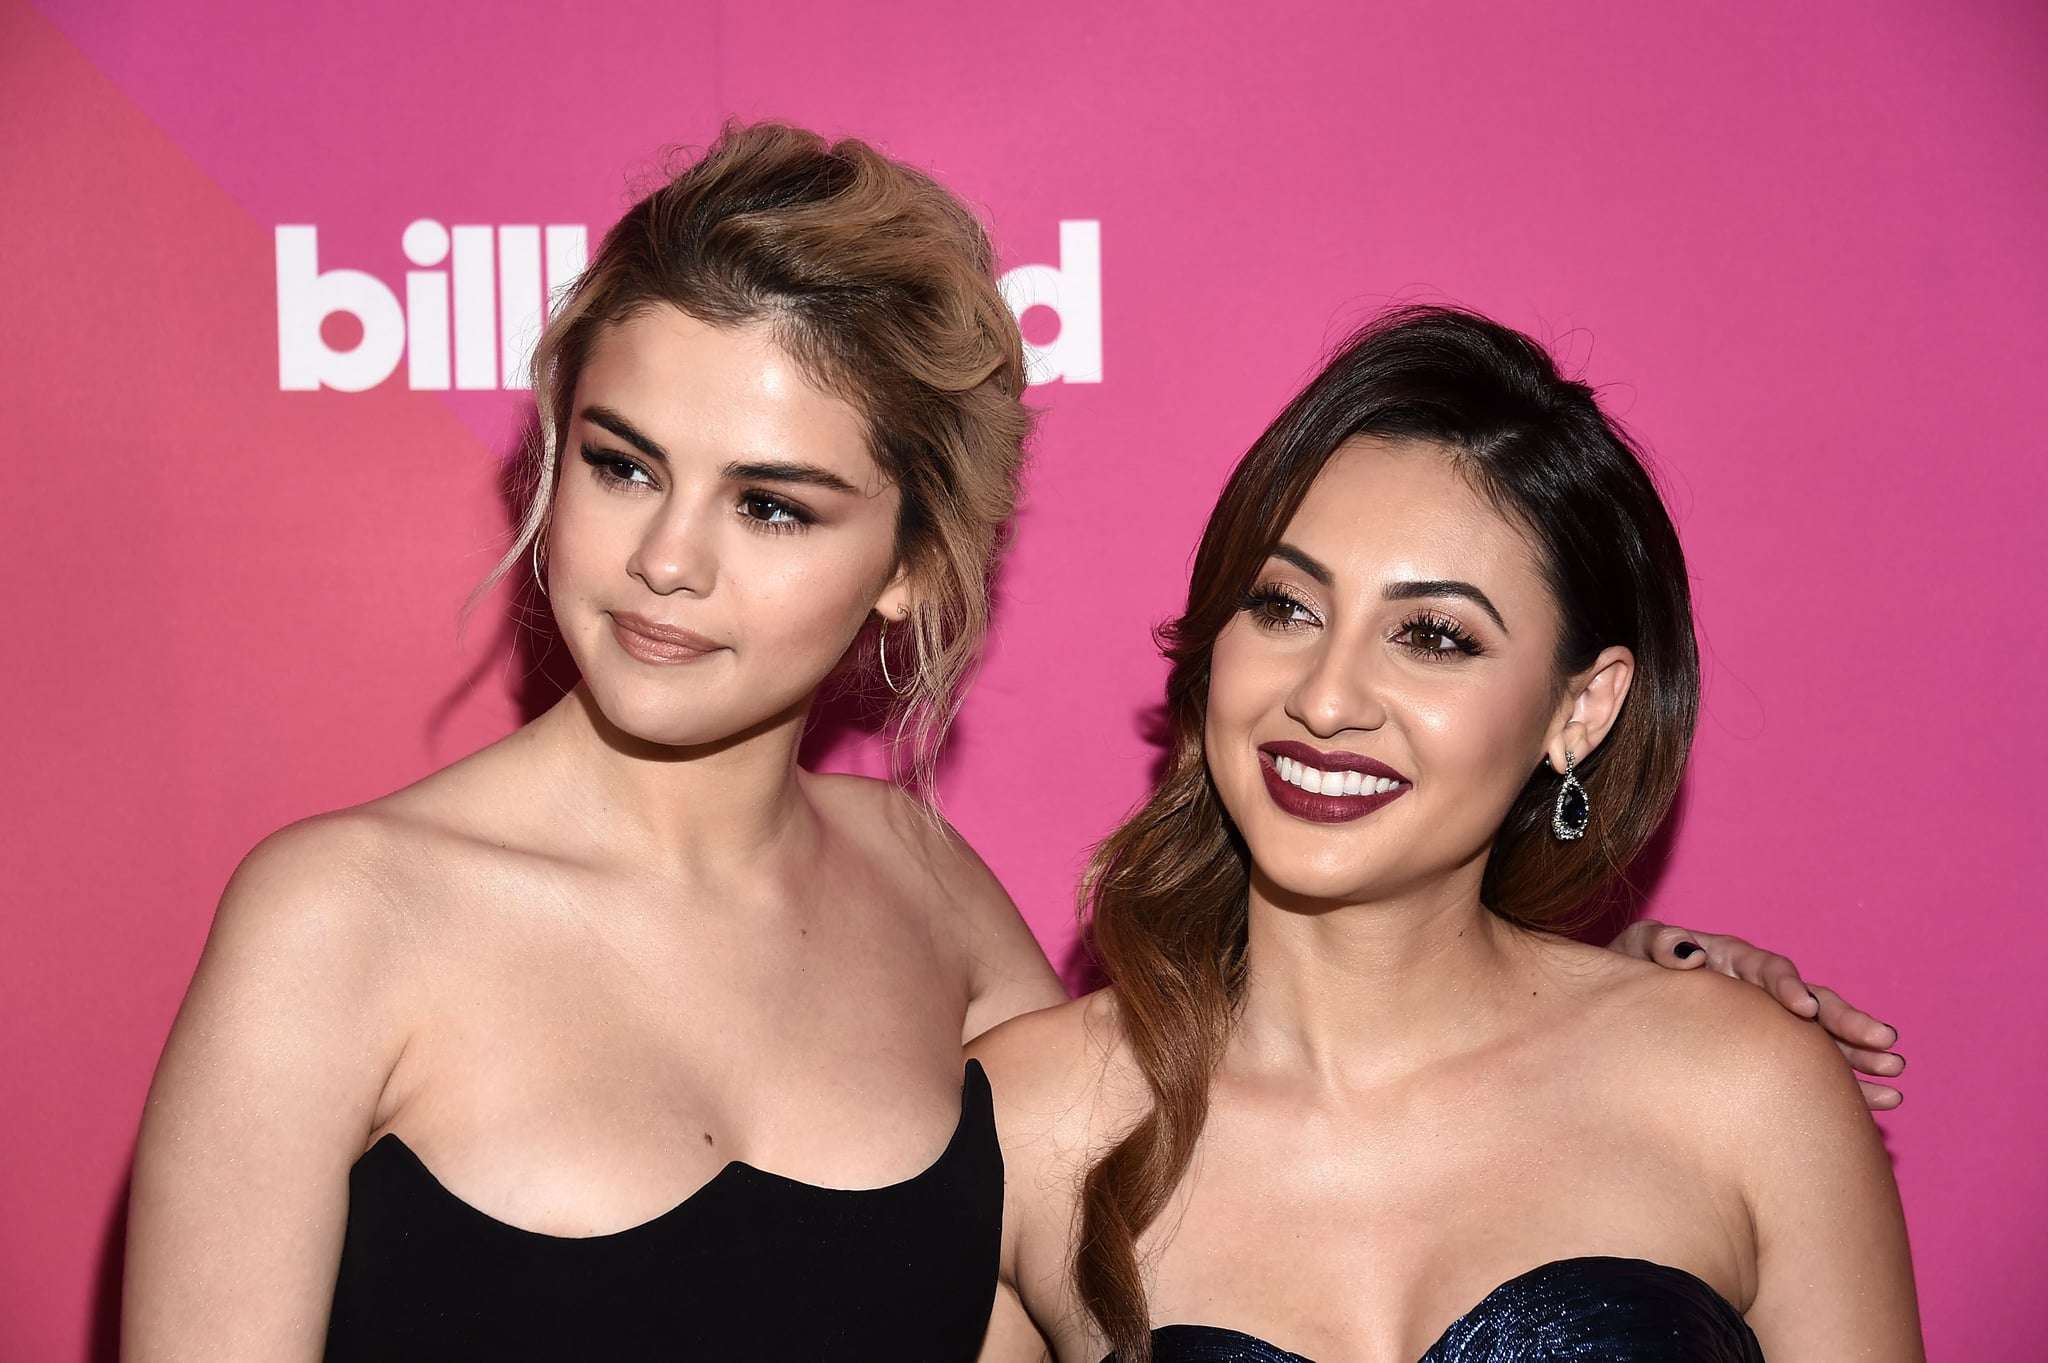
676	552
1340	688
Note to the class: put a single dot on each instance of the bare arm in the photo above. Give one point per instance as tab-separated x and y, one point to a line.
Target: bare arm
265	1095
1011	1337
1060	1096
1834	1275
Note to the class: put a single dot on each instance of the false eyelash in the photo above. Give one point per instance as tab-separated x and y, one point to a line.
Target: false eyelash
609	466
1258	601
1463	644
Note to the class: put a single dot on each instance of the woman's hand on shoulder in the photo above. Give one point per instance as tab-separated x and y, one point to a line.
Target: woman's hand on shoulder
264	1097
1861	1038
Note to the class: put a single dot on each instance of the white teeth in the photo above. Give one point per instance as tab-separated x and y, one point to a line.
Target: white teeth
1317	782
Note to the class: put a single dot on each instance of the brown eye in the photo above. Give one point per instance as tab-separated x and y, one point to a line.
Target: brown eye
615	470
773	513
1277	609
1432	640
1436	639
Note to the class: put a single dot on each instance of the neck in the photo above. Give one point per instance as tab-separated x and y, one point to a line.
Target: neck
1371	988
715	810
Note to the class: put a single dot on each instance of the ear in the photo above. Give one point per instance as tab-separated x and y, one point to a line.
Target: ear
899	598
1592	703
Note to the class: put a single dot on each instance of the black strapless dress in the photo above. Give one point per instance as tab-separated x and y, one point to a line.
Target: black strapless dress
752	1268
1570	1311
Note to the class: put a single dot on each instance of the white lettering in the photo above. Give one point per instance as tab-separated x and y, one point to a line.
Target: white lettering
476	310
1073	289
485	310
308	296
519	299
426	307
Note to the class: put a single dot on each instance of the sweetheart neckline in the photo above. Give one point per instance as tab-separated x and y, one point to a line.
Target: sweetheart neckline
733	1168
1472	1310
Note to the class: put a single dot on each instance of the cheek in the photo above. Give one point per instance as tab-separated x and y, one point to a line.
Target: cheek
800	598
1248	684
801	602
1242	684
1481	739
589	532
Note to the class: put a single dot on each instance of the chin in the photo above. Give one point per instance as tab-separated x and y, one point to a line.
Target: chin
1315	868
1308	888
679	716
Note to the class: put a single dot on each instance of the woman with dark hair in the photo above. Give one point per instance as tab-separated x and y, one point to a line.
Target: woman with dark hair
1350	1095
497	1066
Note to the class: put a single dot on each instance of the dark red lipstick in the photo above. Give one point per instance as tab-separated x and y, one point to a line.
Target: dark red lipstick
1327	807
653	642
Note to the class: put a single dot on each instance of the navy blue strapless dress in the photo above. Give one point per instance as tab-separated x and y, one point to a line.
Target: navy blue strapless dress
751	1268
1571	1311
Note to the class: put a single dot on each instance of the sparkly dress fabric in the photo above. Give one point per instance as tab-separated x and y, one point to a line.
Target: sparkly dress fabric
1571	1311
752	1267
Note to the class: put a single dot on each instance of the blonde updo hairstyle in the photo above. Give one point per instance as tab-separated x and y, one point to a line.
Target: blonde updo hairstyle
881	286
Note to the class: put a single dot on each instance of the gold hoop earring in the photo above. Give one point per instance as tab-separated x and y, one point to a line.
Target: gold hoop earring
539	579
882	649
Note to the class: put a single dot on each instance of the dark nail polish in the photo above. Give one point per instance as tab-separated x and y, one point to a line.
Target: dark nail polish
1685	951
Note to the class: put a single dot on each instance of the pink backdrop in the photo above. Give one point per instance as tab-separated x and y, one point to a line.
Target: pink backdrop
1800	246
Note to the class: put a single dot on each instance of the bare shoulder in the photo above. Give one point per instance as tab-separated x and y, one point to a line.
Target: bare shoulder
330	879
360	886
896	824
1737	1032
1008	971
1718	1053
1761	1106
1065	1091
319	919
1768	1103
1062	1076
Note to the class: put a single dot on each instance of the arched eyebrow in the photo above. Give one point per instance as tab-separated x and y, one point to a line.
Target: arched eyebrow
781	471
1305	561
1396	591
1441	587
752	471
626	431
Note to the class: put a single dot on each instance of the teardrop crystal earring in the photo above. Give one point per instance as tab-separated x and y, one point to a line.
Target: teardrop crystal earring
1573	812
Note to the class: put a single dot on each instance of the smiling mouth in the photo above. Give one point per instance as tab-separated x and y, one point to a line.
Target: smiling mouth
1318	782
1333	788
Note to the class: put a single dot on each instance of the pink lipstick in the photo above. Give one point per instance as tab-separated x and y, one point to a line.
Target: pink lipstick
1328	787
653	642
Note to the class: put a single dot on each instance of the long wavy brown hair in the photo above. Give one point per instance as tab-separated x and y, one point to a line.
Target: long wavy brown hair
1166	893
881	285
